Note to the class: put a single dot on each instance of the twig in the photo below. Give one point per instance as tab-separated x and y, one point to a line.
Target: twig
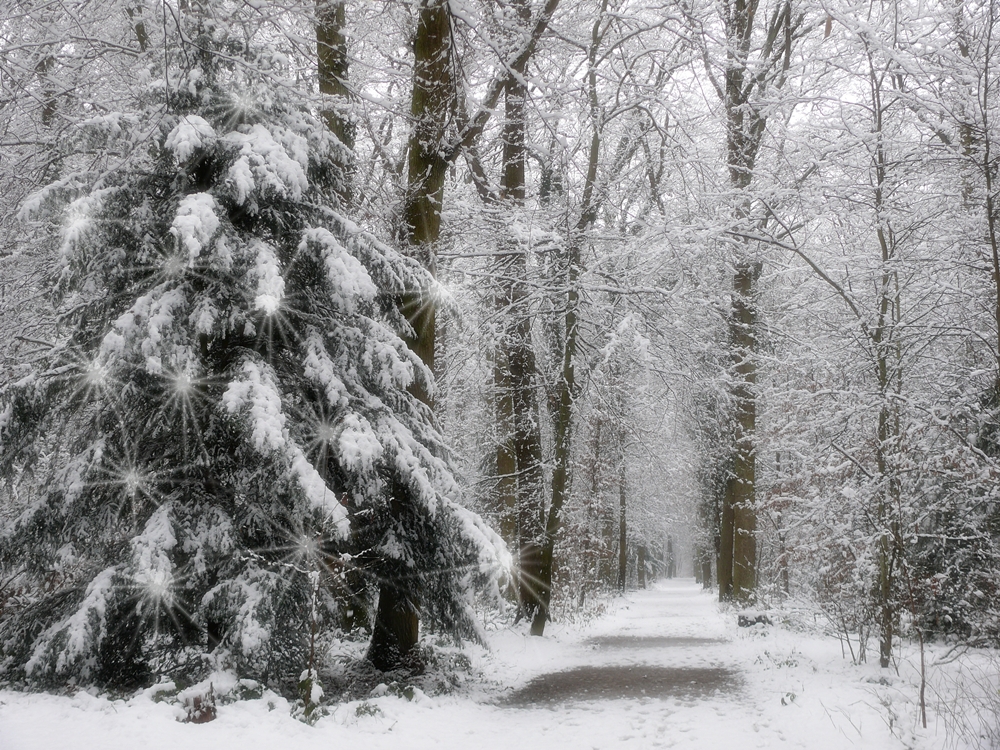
30	340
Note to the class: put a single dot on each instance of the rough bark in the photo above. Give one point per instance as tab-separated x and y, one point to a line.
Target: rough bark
528	454
745	126
741	487
518	457
332	71
333	65
505	463
505	459
597	515
397	627
724	563
431	106
397	618
44	69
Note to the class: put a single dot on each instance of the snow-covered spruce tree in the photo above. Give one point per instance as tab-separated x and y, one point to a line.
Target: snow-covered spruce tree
229	408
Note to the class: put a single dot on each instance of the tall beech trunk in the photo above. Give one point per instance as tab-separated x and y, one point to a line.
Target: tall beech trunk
885	343
724	562
333	65
518	399
617	376
332	70
563	431
44	68
783	573
622	523
740	488
505	489
397	619
566	384
518	459
430	109
596	515
745	127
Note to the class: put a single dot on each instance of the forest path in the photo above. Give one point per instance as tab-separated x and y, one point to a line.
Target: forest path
669	669
667	643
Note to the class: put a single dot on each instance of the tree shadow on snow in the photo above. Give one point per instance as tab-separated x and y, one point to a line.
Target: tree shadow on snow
616	682
654	641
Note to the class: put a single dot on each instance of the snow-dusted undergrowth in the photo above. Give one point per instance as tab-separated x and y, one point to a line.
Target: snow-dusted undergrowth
794	689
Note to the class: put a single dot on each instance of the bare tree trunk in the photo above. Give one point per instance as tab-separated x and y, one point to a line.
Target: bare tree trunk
598	515
783	576
333	65
44	69
431	107
563	433
566	386
622	522
966	119
724	564
528	452
506	461
741	487
988	170
745	126
397	627
887	545
139	26
332	68
885	346
640	566
397	620
517	345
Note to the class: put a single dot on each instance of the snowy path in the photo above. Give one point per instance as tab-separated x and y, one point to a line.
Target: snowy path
667	644
665	670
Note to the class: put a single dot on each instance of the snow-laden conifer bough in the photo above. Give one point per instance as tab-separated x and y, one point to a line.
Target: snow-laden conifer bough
222	454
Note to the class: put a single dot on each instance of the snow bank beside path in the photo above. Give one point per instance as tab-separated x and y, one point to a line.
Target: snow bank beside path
792	691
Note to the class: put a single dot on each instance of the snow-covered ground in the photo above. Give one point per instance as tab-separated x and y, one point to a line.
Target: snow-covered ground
689	676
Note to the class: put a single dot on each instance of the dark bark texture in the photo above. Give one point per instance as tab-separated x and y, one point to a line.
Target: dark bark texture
398	616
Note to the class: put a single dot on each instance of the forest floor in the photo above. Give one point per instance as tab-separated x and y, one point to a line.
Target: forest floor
665	668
